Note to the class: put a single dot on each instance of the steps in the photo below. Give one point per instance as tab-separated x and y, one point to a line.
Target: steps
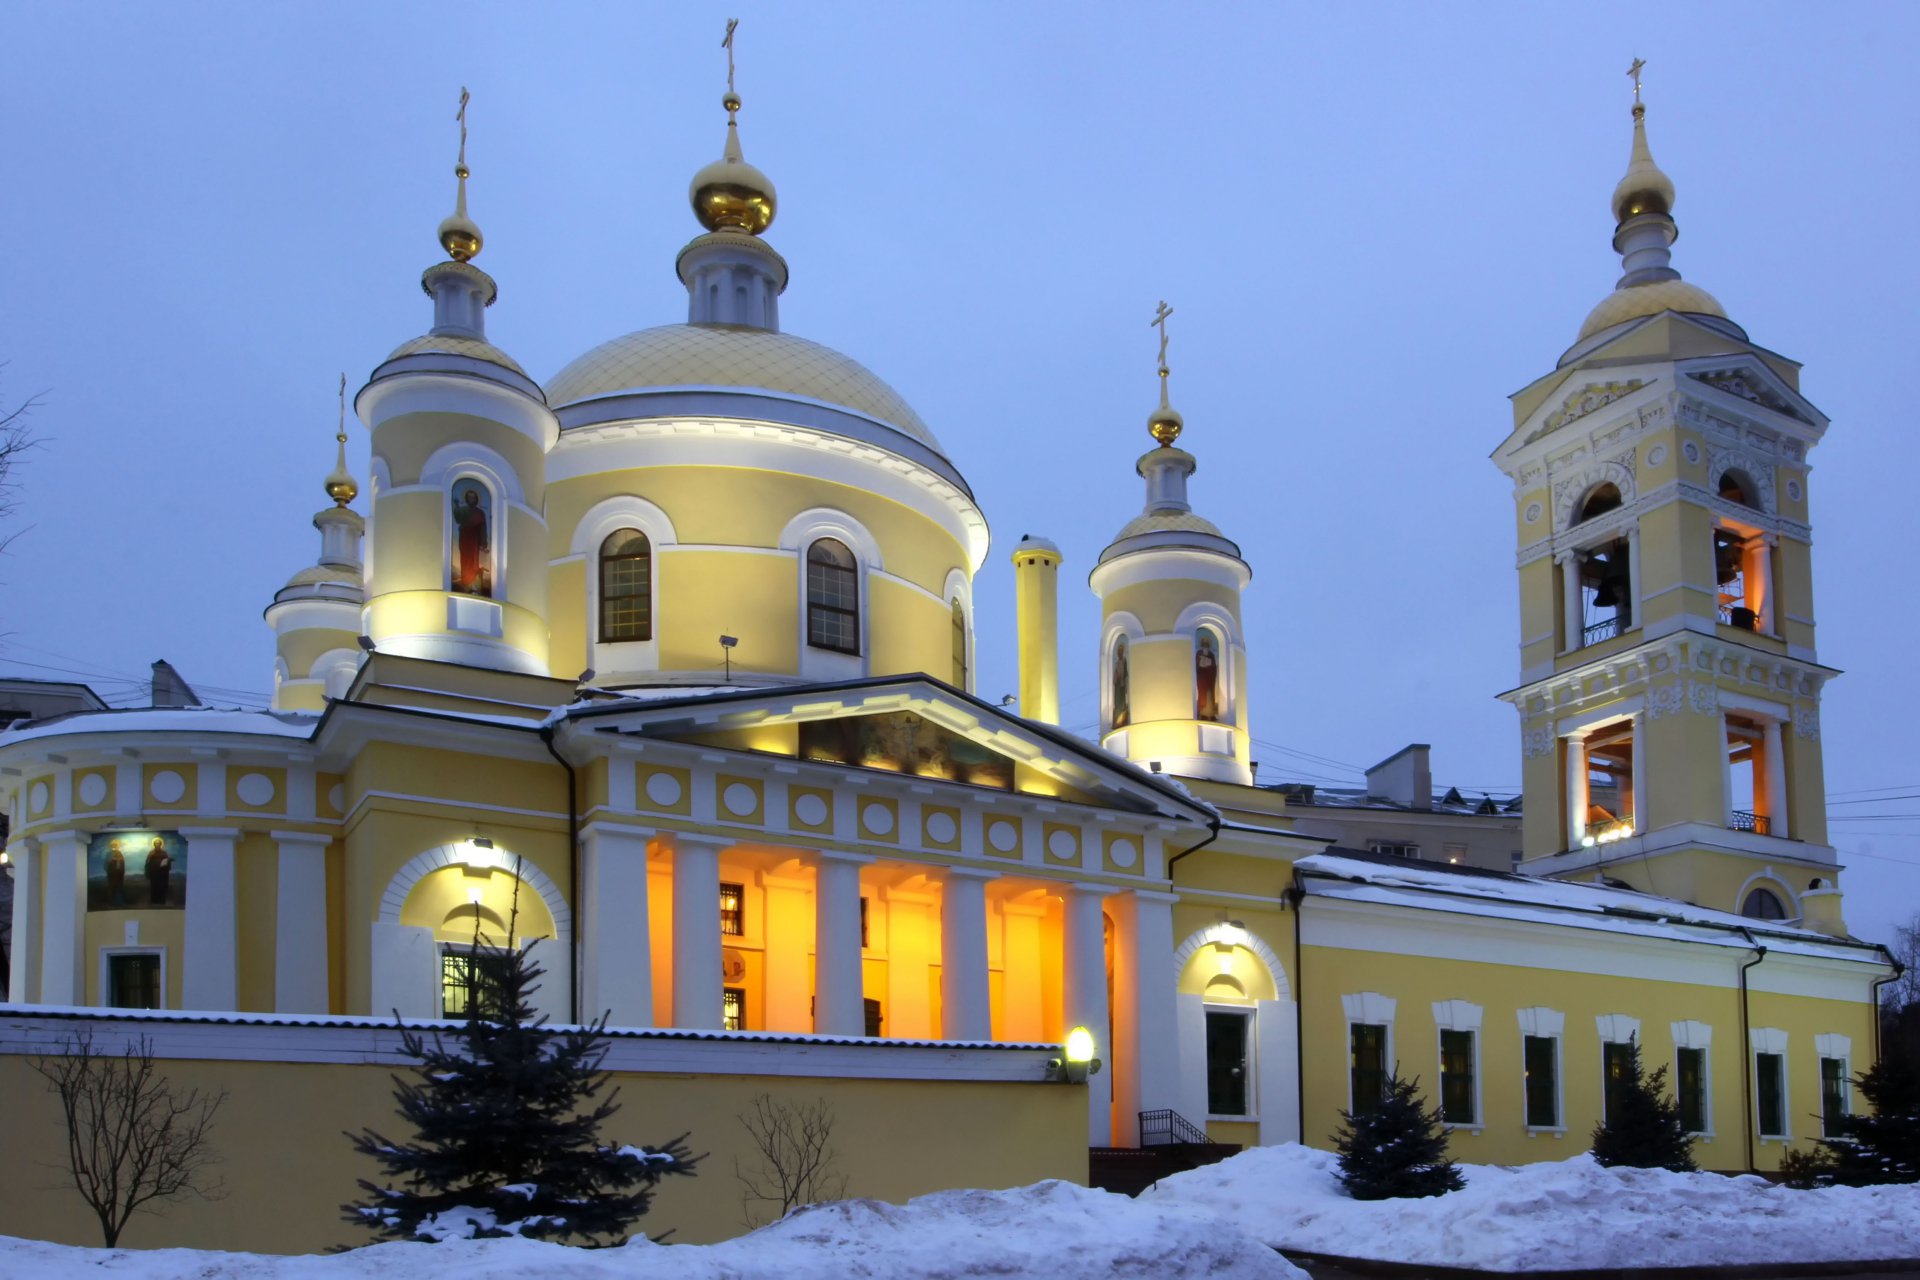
1131	1170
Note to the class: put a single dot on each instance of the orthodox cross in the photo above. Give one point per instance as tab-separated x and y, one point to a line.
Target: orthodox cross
1159	322
461	116
341	435
727	44
1634	71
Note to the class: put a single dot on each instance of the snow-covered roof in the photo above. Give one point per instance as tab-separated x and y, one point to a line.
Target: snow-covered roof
1451	801
1354	876
277	724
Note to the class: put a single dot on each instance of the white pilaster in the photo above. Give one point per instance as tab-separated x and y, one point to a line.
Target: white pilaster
1145	1062
24	970
966	1000
1576	790
837	1008
1640	814
1574	621
210	969
696	934
616	951
1778	823
63	919
1633	581
1084	966
787	926
300	970
1763	562
1726	774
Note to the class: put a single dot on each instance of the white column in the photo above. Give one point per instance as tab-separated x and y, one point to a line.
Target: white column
838	986
1634	593
966	1001
1145	1061
1640	815
1085	970
63	919
300	953
787	926
1726	775
1768	621
616	944
25	960
1776	765
1575	620
210	967
1576	790
696	934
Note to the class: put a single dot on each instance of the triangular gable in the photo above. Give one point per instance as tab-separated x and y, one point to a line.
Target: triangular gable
1752	379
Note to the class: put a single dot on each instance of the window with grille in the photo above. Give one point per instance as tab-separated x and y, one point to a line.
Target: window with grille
870	1010
470	981
1457	1102
1368	1058
1833	1097
133	981
1614	1057
1691	1089
626	587
733	1008
1543	1082
1398	848
833	597
1770	1072
863	924
733	911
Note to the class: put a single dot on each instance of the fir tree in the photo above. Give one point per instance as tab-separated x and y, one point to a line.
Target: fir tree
1397	1151
1883	1146
506	1115
1643	1129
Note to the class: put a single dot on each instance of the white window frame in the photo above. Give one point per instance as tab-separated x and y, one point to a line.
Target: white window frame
1368	1009
798	538
1460	1015
1542	1023
1771	1040
1393	848
1615	1028
602	521
1216	618
1834	1045
1249	1014
1118	625
106	971
1696	1035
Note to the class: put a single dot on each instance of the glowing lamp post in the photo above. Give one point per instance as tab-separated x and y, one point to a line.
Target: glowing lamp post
1078	1061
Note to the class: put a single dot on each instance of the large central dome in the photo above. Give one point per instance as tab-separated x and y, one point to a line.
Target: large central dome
704	357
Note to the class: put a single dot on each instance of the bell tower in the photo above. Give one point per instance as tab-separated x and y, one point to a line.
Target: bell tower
1173	656
1670	690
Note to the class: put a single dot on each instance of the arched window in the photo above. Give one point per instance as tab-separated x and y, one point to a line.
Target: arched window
833	597
1736	487
471	553
959	645
1763	904
626	587
1120	713
1603	499
1209	676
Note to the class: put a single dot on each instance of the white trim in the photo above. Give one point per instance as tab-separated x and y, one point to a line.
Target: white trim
1459	1015
106	968
469	457
959	586
1773	1042
394	898
1541	1023
1117	624
1223	932
798	537
1369	1009
1833	1045
1248	1013
601	521
1764	877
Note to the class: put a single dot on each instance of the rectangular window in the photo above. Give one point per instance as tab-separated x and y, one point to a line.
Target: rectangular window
469	981
1226	1063
1398	849
863	924
870	1009
1770	1072
1613	1067
1457	1103
1543	1082
1690	1084
1833	1097
733	1008
733	914
133	981
1368	1057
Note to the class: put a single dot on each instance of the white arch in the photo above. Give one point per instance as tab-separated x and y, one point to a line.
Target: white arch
829	522
1118	623
1759	475
623	511
1768	878
801	533
470	458
959	586
1209	613
1234	936
1570	493
337	668
462	854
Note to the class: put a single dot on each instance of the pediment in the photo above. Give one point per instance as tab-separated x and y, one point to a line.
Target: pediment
1751	380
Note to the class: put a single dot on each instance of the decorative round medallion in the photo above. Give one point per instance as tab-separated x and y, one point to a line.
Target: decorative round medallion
254	789
1656	455
1122	853
733	965
1793	491
37	798
740	798
1690	451
1533	513
1003	836
810	809
168	786
93	789
663	789
337	798
1061	844
877	819
941	828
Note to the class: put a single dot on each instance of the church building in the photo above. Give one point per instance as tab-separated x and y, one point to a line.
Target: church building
662	667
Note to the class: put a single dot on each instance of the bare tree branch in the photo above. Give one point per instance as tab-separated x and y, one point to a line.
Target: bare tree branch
16	441
798	1163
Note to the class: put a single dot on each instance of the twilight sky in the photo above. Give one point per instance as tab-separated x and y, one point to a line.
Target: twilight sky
1374	222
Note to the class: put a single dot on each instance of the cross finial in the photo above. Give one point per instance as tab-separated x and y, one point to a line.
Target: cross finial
726	42
461	116
1159	322
1634	72
341	434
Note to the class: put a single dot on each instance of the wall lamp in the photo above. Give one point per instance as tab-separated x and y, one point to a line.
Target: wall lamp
1076	1062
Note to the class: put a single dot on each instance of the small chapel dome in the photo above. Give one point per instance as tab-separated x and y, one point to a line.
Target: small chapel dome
1650	299
730	194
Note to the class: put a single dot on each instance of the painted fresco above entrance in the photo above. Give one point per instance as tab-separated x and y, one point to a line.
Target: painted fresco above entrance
136	870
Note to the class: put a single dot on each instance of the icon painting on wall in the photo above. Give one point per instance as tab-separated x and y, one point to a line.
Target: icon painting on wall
472	538
136	870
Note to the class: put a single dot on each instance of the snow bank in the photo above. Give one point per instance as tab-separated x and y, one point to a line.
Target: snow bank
1052	1229
1541	1217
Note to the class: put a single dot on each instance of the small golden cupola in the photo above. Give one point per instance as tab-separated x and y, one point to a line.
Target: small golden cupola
730	194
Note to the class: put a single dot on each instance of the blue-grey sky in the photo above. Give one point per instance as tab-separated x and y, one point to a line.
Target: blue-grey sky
1374	222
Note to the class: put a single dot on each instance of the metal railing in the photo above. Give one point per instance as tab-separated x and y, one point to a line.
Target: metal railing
1162	1128
1758	823
1605	629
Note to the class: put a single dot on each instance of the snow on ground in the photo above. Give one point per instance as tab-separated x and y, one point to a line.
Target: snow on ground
1541	1217
1053	1229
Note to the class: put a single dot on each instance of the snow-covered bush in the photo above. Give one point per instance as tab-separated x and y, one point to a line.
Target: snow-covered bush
1397	1150
1642	1129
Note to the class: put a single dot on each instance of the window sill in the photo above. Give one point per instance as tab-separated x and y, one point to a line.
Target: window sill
1247	1119
1778	1139
1462	1127
1560	1132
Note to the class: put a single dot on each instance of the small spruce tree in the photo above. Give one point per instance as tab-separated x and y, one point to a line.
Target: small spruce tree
1642	1129
506	1115
1884	1145
1398	1151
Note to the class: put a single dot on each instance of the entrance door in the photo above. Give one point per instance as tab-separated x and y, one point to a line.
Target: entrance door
1227	1062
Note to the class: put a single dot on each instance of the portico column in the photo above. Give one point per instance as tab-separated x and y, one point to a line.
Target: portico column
1726	774
965	998
1634	593
1576	790
697	999
616	944
63	918
1145	1062
25	959
838	989
1768	621
210	965
1085	971
300	972
1640	814
1575	620
1776	763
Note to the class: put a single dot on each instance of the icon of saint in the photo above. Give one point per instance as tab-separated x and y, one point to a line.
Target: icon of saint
1122	714
159	873
1206	676
116	874
471	575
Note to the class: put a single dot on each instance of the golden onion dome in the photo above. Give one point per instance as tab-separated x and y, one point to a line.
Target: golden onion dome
459	234
1164	424
1646	188
730	194
1650	299
341	486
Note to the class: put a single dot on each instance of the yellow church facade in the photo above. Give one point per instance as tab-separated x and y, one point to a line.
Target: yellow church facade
662	669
